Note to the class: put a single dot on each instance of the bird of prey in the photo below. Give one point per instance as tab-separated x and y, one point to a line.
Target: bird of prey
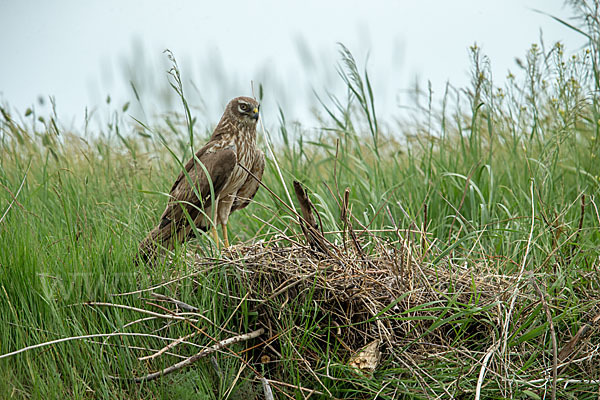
233	143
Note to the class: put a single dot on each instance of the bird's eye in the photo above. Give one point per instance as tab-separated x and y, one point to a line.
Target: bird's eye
243	107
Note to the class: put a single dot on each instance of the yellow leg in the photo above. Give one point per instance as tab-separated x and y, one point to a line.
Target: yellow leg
225	238
215	235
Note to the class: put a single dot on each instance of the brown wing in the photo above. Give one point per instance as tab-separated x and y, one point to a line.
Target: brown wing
219	164
251	185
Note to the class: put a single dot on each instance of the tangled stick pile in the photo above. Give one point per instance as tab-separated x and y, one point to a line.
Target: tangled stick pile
388	295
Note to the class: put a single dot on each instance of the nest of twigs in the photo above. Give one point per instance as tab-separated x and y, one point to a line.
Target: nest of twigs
367	297
389	294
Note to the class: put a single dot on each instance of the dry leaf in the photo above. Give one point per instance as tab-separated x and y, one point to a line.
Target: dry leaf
367	358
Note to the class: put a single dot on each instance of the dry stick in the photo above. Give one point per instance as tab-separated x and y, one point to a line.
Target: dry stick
344	214
266	343
350	228
552	335
293	210
67	339
131	347
179	303
131	323
333	195
302	389
566	381
140	310
137	321
173	316
201	354
310	227
193	325
224	295
483	368
165	309
267	388
178	317
16	195
166	283
168	347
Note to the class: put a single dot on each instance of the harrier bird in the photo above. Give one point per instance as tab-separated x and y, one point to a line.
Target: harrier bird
233	143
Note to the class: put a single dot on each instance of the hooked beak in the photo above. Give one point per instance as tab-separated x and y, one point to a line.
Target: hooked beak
255	114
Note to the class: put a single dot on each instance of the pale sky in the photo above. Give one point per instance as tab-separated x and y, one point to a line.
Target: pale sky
77	51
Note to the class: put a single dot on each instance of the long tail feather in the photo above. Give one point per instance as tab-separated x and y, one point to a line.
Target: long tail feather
157	238
164	236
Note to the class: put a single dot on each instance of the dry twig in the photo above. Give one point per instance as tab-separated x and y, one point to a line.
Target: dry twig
189	361
266	388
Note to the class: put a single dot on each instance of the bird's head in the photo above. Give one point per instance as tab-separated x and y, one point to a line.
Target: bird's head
245	109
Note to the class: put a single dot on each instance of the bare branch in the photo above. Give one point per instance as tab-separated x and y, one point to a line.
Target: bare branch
201	354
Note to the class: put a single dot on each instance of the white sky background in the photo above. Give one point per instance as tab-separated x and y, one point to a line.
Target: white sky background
81	51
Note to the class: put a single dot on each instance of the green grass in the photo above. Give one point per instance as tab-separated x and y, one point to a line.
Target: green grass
470	174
